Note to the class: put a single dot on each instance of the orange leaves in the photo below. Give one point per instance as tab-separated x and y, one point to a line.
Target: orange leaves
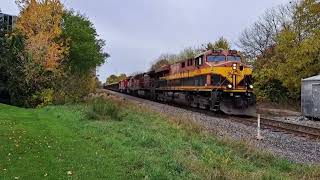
40	22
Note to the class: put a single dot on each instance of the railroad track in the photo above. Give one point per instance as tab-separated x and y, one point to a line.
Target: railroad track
272	124
266	123
298	129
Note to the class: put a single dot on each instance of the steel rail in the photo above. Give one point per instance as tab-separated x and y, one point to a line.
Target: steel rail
292	128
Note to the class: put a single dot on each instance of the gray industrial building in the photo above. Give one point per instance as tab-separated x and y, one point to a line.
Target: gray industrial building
7	22
310	97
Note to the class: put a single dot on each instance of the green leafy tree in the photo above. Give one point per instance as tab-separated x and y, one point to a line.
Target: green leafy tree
163	60
85	48
294	56
85	55
298	48
12	70
114	78
188	53
221	43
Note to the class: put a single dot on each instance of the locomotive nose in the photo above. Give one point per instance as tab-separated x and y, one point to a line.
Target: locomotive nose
234	66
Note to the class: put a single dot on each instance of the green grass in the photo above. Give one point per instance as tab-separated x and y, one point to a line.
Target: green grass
46	143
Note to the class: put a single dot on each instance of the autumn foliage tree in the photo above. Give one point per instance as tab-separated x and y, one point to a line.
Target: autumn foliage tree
36	67
288	52
297	54
51	55
40	23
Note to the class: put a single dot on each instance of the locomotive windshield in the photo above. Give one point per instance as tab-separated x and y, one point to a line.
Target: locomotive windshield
216	58
233	58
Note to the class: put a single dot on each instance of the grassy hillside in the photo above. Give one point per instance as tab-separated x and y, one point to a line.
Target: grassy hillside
61	142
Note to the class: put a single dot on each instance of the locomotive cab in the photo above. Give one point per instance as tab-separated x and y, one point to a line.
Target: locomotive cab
232	82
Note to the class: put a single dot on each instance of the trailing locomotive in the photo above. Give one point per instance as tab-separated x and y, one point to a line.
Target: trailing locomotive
215	80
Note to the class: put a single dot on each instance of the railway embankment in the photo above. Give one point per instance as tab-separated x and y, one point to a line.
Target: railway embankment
280	143
124	137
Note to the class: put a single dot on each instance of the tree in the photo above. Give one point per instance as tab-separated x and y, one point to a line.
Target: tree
298	48
187	53
306	19
85	55
295	54
4	96
262	34
35	52
85	48
114	78
40	23
165	59
12	72
162	60
221	43
51	56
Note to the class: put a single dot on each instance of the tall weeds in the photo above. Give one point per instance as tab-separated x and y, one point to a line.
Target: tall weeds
103	109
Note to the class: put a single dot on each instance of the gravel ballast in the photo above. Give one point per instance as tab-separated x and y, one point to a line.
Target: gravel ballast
289	146
301	120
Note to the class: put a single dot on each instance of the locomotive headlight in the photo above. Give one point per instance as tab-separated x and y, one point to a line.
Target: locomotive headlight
229	86
251	86
234	66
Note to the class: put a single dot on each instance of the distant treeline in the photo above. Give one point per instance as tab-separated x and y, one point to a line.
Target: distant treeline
165	59
114	78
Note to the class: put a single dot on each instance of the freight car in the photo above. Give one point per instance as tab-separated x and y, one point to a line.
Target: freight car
215	80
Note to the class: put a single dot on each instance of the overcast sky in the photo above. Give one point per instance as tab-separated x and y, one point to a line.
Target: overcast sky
138	31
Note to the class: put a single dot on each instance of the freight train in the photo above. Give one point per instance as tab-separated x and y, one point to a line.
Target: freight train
217	80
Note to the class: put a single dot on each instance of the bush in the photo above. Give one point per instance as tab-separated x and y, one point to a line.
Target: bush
42	98
268	88
74	88
272	91
102	109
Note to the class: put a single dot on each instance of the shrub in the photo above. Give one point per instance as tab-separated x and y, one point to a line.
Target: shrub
42	98
102	109
268	88
74	88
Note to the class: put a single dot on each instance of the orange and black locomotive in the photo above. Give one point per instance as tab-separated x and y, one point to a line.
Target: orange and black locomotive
215	80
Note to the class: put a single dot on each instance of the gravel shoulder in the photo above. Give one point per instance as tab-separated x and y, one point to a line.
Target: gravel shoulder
293	148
